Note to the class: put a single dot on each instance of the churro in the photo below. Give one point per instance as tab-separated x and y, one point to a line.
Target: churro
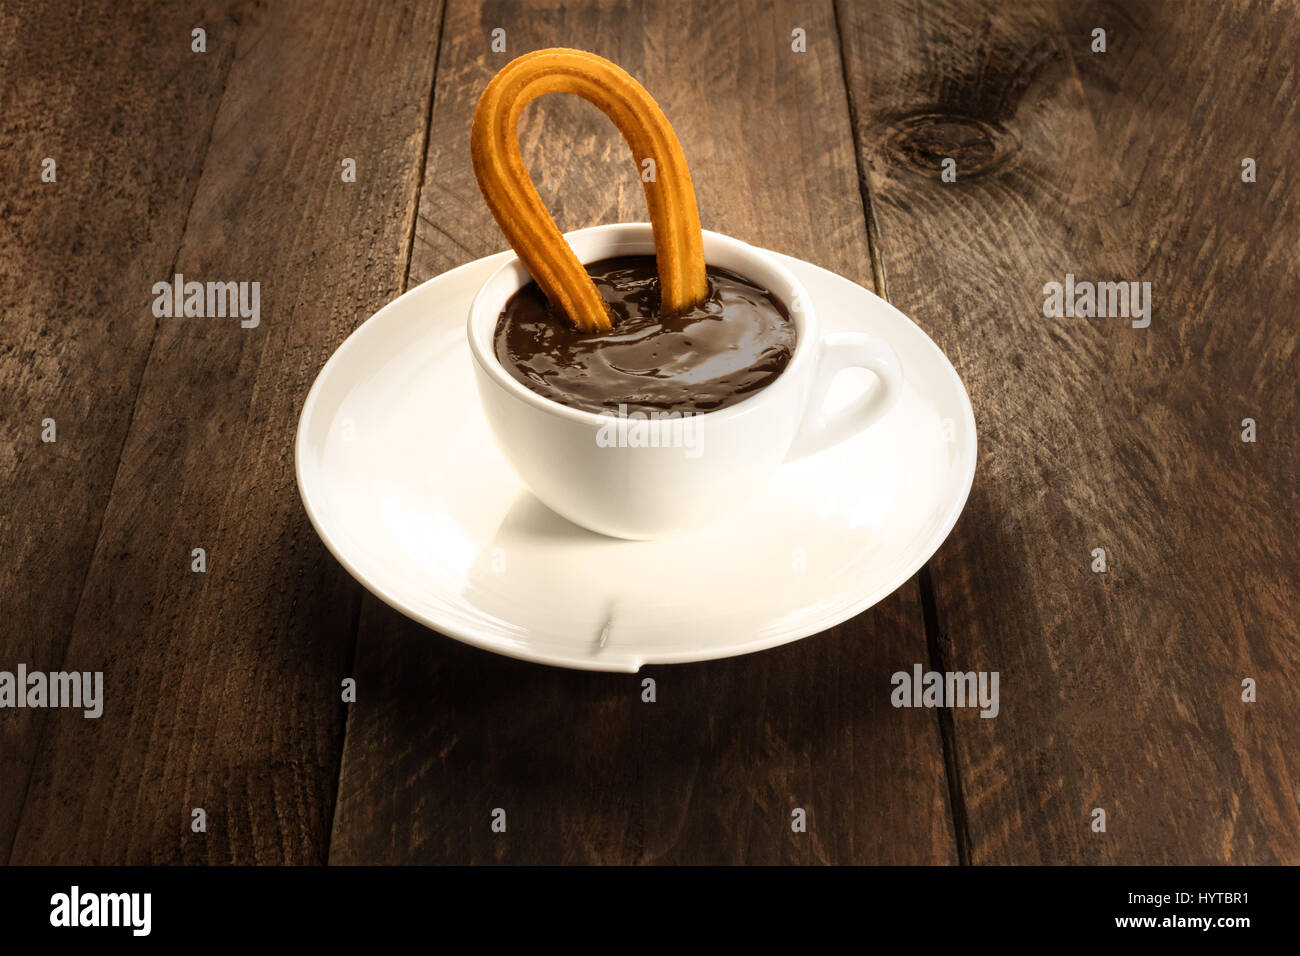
519	211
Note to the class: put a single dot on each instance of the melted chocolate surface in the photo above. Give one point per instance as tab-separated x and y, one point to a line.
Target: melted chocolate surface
721	352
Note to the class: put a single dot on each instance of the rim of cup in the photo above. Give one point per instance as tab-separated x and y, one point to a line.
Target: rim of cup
636	238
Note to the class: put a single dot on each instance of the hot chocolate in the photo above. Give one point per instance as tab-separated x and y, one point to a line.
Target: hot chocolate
734	343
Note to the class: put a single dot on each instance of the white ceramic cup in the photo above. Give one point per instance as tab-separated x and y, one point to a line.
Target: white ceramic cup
635	478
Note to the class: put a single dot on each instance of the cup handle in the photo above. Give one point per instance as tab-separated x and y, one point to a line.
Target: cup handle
838	351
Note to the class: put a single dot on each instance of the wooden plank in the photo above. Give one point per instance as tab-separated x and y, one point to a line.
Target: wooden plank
222	689
1120	691
126	123
443	734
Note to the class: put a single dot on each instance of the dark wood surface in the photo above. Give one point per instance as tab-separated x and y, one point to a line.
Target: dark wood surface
1119	691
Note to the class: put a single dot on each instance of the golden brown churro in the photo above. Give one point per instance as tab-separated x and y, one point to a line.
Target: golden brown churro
519	211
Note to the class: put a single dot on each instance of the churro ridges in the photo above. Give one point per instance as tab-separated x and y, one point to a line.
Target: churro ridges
519	211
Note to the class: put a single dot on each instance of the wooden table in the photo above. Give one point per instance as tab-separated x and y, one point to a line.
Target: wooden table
1120	691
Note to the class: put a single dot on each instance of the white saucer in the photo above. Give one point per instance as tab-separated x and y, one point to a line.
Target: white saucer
401	478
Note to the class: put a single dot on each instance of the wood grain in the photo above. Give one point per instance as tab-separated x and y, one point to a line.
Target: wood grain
127	123
1122	690
223	689
709	773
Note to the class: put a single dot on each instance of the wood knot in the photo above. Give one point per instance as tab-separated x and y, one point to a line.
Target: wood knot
922	141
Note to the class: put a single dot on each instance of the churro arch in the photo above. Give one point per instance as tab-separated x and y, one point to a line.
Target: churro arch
520	212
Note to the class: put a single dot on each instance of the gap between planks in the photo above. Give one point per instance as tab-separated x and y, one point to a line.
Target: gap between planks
406	281
925	578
